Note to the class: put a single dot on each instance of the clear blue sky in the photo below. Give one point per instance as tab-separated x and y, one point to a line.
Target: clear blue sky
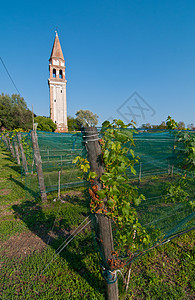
111	48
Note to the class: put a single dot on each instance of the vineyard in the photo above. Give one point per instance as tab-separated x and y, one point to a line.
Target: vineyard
50	242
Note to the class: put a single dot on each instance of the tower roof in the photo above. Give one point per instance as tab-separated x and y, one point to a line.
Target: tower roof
56	50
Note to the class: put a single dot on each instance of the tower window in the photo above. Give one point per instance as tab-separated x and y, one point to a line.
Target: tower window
54	73
61	91
60	74
55	100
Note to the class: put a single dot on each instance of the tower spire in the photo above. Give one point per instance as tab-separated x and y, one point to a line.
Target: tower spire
56	50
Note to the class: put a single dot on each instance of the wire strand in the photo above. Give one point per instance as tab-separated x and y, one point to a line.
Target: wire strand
57	252
10	76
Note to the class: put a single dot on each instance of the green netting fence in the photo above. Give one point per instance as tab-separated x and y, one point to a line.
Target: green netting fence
57	150
160	162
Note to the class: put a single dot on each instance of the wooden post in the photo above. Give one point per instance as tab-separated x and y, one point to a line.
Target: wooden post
172	166
33	162
17	152
168	168
24	162
140	172
104	225
6	141
59	185
11	146
38	164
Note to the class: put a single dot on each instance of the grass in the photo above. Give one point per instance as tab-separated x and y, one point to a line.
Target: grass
26	226
166	272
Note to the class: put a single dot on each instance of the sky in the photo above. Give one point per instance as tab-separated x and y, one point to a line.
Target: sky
128	59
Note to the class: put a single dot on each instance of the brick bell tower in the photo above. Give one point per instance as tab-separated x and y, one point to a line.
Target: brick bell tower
57	87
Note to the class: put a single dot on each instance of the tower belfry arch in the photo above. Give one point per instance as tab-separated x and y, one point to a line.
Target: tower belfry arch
57	87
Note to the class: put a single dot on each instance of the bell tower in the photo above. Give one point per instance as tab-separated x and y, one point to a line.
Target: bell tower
57	87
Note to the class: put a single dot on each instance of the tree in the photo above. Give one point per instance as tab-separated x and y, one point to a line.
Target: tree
146	126
73	124
181	125
14	113
171	123
45	124
86	118
191	126
162	125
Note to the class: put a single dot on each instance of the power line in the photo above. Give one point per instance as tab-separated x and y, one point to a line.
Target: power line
9	76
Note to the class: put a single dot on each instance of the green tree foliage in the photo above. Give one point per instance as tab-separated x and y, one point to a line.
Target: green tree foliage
86	118
45	124
171	123
146	126
14	113
73	124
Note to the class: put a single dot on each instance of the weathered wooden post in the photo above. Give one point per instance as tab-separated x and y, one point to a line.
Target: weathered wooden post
6	141
10	146
33	162
24	162
104	225
47	154
59	172
17	151
140	172
172	167
61	162
38	164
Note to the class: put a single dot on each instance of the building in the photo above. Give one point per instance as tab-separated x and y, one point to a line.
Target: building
57	86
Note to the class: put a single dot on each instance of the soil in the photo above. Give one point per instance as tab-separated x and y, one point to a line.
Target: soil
22	245
5	192
72	194
5	209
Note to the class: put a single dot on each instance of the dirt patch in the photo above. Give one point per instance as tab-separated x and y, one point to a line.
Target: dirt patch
72	194
5	210
4	213
22	245
5	192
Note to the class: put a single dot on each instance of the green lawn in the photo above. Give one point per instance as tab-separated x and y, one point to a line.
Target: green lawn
31	232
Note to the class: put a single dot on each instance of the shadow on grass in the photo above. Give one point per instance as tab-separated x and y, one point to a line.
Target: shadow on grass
17	169
23	186
41	223
9	157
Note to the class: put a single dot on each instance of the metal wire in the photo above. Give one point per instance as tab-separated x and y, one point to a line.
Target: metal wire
58	251
9	75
